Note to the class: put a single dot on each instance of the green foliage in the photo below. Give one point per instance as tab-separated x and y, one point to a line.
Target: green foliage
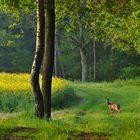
15	60
130	72
123	29
17	7
7	39
19	102
71	60
17	43
105	70
113	24
64	99
77	8
15	103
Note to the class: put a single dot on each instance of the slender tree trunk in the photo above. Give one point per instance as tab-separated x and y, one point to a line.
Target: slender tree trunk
39	106
48	60
57	43
82	53
84	65
94	55
61	64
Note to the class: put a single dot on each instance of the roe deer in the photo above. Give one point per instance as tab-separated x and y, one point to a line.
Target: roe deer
112	107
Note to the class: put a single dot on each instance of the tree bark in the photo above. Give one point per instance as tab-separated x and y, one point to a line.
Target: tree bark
48	60
94	55
84	65
82	52
39	106
61	64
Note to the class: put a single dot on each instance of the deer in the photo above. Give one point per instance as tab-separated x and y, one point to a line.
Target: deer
112	106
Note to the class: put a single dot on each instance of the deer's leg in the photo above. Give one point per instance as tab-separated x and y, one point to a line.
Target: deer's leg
117	110
111	111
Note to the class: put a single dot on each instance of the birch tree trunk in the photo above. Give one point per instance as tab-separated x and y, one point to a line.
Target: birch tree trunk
82	52
84	65
94	55
48	60
39	106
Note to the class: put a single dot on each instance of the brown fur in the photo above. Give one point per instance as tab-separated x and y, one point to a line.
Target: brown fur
112	107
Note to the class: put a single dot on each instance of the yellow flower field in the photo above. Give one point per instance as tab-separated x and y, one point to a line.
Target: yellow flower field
21	82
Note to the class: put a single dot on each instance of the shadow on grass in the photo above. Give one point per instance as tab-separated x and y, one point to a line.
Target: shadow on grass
66	101
14	133
93	136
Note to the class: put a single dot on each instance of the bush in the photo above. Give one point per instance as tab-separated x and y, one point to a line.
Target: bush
14	102
130	72
64	99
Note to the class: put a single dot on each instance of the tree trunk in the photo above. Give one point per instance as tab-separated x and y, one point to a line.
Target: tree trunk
84	65
57	44
48	60
61	64
94	55
82	52
39	106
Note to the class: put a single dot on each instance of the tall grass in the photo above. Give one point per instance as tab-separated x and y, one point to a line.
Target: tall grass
15	93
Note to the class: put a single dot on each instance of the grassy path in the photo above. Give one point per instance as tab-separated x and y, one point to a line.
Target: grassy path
88	116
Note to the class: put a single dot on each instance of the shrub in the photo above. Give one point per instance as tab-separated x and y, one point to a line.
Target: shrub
10	102
65	98
14	102
130	72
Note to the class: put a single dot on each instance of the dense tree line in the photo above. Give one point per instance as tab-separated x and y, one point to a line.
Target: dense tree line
17	43
76	33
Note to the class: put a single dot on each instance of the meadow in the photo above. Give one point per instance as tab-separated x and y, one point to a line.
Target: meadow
88	116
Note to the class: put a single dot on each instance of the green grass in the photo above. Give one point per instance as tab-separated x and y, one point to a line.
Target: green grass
89	115
16	102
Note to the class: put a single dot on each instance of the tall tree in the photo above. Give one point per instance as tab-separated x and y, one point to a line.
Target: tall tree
75	23
59	68
94	56
39	106
48	53
48	60
15	7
